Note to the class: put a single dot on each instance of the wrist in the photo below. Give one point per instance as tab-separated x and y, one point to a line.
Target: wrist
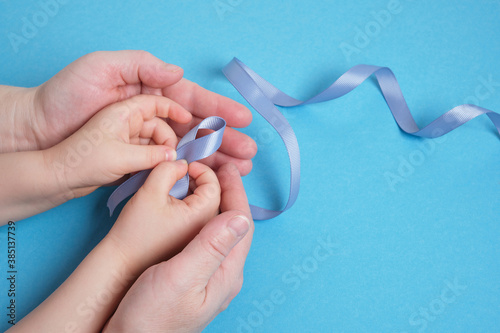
68	171
128	255
29	185
87	298
18	119
55	170
127	269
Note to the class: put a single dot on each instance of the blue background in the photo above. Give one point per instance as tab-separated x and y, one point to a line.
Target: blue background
397	250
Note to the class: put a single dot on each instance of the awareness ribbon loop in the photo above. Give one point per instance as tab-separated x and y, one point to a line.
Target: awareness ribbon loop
189	148
264	97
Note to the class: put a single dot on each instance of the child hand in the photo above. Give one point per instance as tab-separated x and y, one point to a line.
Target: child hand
124	137
186	292
41	117
153	226
192	287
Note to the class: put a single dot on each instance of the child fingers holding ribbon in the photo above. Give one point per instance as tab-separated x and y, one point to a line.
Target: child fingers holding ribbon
151	228
125	137
124	284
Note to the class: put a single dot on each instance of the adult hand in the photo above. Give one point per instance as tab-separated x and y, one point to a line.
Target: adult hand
69	99
186	292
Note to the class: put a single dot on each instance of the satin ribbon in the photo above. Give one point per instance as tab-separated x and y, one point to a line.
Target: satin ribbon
188	148
264	97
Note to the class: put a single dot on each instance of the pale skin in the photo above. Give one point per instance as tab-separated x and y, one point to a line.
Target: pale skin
41	125
35	119
122	138
39	118
190	289
183	293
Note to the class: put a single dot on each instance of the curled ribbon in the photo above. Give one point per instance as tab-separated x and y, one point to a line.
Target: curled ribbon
189	148
264	97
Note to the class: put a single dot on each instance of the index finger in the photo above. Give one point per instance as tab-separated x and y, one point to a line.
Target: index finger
150	106
133	67
204	103
233	195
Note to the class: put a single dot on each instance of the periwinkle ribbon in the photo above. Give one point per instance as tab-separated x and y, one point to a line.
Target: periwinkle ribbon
264	97
189	148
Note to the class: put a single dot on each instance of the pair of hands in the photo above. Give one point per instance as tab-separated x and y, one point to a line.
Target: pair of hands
134	90
185	293
50	113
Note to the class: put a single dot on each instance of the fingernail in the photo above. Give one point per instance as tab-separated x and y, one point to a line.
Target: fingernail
239	225
172	68
182	161
171	155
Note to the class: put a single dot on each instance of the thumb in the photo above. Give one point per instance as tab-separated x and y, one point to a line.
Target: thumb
163	177
134	158
203	256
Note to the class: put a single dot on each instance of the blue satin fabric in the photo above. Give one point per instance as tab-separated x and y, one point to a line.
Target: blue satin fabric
264	97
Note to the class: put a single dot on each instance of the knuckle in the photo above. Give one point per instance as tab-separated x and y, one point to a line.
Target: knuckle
224	306
164	170
195	85
143	54
172	141
176	284
94	55
216	248
227	174
248	147
156	155
236	288
213	192
135	102
125	109
152	156
238	284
